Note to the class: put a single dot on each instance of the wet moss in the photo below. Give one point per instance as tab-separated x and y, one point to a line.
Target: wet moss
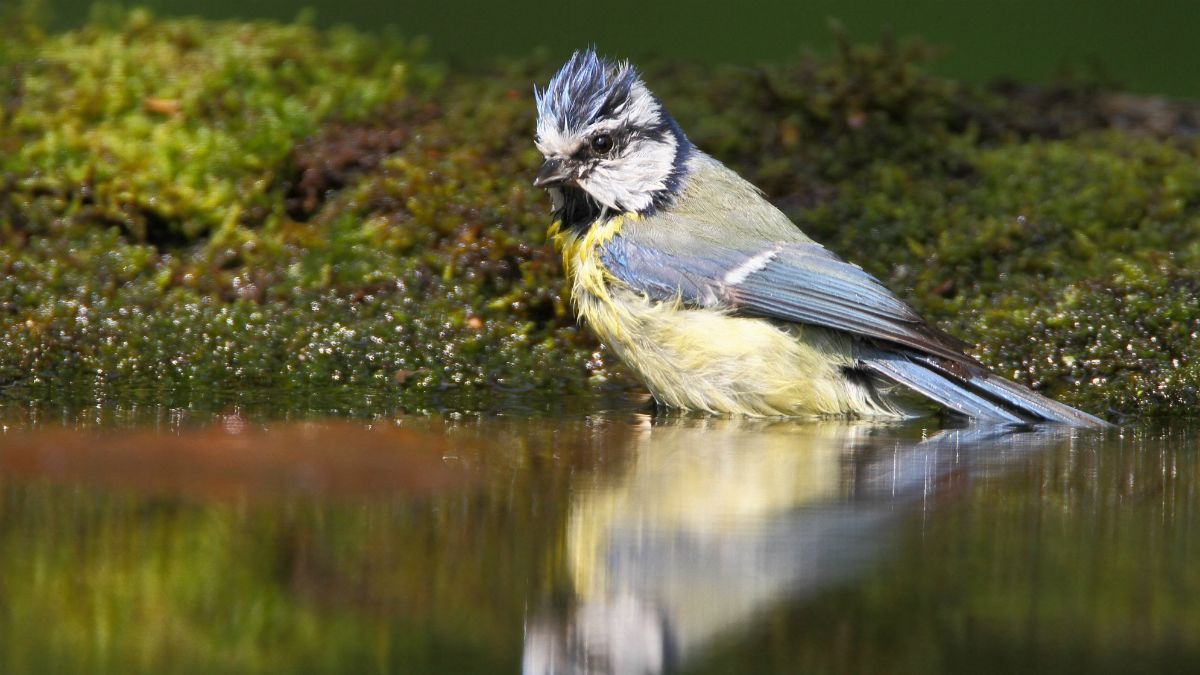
190	207
377	246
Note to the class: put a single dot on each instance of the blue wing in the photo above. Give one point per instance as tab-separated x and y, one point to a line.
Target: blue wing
797	281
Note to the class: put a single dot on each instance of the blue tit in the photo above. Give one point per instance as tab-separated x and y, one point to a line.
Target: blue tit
713	296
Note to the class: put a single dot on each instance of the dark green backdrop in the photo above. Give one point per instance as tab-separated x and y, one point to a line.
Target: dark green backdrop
1148	46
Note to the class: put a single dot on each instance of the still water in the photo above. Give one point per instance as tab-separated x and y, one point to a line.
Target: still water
618	542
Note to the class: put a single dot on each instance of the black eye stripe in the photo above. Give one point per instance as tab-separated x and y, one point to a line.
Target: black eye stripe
619	137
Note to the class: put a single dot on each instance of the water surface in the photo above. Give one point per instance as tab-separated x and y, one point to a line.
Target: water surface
614	542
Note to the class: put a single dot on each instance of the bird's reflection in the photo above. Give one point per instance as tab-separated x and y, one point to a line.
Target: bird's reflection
720	519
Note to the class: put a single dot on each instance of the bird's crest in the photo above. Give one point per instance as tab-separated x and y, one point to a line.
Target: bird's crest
584	90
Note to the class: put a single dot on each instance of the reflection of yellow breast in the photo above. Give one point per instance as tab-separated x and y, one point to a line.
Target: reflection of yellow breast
708	479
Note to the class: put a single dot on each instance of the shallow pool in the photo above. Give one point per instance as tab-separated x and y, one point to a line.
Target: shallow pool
614	542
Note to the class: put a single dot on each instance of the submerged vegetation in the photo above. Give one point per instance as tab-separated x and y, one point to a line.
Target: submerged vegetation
189	207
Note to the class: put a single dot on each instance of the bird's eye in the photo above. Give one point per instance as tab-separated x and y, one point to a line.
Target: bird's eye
602	143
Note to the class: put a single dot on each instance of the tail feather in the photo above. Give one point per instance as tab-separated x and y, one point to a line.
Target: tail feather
946	392
1044	407
975	392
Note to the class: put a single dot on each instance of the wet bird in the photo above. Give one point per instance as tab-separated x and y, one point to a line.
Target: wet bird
713	296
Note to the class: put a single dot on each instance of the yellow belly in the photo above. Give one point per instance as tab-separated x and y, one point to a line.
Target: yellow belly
705	359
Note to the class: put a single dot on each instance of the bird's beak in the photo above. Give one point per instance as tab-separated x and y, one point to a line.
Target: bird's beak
553	172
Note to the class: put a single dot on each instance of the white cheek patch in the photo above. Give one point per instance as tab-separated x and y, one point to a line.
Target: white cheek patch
629	182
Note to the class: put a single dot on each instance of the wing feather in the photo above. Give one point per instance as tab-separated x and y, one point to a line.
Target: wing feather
796	281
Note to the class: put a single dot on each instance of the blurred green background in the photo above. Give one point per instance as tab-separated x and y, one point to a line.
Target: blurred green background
1148	46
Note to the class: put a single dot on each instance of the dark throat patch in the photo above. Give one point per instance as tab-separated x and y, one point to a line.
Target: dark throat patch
578	211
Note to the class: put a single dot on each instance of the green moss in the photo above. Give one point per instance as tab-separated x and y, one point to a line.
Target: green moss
191	207
237	264
183	125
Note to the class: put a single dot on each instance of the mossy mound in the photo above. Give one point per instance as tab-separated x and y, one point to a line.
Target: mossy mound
341	223
191	207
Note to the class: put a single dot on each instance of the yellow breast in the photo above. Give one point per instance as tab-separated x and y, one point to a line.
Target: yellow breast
707	359
591	282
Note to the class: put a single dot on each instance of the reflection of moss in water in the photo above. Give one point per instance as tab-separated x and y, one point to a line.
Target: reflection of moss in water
191	205
133	582
120	583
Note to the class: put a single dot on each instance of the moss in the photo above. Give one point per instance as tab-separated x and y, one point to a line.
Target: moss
426	274
181	125
193	207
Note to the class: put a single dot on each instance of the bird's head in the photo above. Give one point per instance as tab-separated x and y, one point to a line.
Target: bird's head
606	138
